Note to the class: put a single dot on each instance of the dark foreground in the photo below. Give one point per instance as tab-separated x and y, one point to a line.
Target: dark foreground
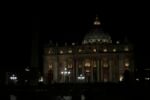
91	91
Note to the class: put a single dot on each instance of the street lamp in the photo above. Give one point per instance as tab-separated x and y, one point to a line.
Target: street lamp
65	73
81	77
13	78
41	79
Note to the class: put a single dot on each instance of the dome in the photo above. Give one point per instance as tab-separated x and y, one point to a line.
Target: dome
97	36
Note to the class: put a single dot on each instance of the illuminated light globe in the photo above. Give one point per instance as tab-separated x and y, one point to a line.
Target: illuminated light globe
41	79
13	78
137	79
114	50
105	50
65	72
81	77
121	78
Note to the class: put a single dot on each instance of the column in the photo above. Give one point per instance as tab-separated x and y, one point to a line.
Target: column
110	69
55	71
98	70
91	69
101	70
76	69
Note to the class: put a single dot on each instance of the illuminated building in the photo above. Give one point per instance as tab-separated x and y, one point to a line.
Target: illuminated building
96	59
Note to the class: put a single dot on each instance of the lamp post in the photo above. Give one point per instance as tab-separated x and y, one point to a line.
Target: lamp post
65	73
13	78
41	79
81	77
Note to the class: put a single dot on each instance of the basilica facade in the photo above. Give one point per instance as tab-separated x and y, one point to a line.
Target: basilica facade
96	59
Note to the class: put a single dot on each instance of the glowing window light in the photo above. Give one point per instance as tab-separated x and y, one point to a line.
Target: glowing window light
49	52
69	51
80	50
65	68
97	23
104	40
105	79
84	42
114	50
27	69
94	50
41	79
94	64
121	78
126	49
73	43
69	65
126	64
137	79
61	52
105	65
105	50
81	77
117	42
50	66
87	71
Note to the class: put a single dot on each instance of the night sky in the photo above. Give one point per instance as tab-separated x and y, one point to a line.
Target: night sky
70	24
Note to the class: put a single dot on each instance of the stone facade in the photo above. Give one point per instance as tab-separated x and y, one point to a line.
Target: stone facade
96	59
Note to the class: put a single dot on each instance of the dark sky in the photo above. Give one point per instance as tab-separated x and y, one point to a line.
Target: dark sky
68	23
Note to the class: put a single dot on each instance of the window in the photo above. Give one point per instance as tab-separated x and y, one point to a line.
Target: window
80	50
126	49
80	66
104	40
117	42
105	79
69	51
87	64
87	71
50	66
61	52
94	50
96	23
105	50
121	78
69	65
126	64
114	50
49	52
94	64
73	43
105	65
